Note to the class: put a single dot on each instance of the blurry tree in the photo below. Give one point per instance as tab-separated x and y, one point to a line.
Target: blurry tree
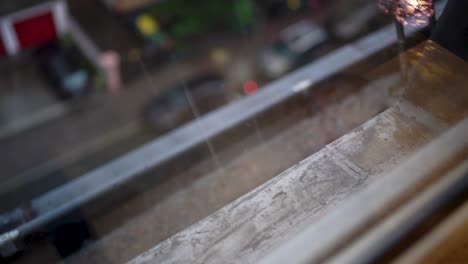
184	19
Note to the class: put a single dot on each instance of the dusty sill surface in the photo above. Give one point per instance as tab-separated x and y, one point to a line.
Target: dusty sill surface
247	229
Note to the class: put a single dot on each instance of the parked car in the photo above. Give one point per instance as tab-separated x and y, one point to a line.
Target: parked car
293	48
185	101
62	68
357	22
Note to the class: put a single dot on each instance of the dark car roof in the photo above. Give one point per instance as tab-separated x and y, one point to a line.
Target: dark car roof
193	85
176	94
207	77
172	108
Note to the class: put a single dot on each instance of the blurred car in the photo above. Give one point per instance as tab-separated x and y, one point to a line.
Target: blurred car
357	22
63	69
185	101
293	48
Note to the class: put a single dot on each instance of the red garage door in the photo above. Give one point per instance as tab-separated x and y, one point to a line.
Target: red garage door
36	30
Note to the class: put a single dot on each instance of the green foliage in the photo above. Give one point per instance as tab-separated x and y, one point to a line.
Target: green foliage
66	40
98	81
244	14
183	18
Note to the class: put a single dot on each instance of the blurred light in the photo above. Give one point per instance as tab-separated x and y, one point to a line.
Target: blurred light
409	12
250	87
220	56
293	4
301	86
147	25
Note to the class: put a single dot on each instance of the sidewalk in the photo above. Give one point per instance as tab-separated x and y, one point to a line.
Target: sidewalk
26	99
